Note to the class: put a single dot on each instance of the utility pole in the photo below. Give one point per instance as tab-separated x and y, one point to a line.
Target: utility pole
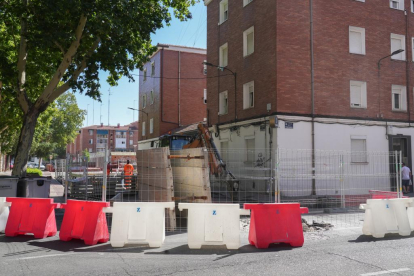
100	114
87	115
109	103
93	110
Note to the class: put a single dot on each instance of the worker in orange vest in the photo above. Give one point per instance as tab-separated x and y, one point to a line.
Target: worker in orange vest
128	171
108	168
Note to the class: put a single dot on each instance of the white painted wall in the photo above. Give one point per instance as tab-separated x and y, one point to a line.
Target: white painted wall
336	173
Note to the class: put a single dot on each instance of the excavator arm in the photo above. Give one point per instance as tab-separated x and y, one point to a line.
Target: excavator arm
204	139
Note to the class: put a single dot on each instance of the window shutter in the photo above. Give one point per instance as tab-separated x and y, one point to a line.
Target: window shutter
355	42
356	95
403	99
364	95
250	43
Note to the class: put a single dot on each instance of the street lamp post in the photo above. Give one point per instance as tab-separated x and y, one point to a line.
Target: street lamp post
235	83
379	77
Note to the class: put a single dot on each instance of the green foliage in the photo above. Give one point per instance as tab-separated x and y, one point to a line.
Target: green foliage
48	47
34	171
86	154
124	28
57	127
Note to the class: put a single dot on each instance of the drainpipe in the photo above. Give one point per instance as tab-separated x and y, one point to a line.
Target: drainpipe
407	67
312	98
179	88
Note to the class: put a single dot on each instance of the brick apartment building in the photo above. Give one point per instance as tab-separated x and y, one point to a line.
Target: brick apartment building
95	139
313	66
172	92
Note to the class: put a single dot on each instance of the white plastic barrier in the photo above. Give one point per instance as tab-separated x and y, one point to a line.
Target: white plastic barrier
384	216
138	223
213	224
4	213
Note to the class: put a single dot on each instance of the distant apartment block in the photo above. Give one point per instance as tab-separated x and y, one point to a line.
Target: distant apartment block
98	137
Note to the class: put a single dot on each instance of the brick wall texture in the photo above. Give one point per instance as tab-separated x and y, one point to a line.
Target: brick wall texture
178	92
281	63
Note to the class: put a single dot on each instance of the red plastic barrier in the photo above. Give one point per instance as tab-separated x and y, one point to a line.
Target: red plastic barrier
383	194
84	220
276	223
31	215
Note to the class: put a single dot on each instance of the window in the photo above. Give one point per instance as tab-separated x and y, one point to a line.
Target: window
90	149
152	97
399	98
131	134
248	95
224	52
145	74
412	5
224	11
143	129
151	125
397	43
397	4
358	90
359	149
246	2
223	103
90	131
412	45
131	142
205	68
205	96
356	40
90	141
152	68
144	101
248	41
250	148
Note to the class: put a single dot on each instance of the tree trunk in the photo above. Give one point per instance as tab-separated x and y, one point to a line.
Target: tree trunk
40	162
25	142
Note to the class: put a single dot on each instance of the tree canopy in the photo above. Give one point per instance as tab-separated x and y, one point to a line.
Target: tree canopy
50	46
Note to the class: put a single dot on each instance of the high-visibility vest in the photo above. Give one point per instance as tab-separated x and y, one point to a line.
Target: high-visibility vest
128	169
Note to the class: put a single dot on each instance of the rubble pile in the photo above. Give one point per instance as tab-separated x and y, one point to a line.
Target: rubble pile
315	226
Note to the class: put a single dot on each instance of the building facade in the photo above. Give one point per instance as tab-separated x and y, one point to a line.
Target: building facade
313	67
172	92
97	138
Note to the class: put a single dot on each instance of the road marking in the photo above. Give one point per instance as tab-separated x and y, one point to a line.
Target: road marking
386	272
43	256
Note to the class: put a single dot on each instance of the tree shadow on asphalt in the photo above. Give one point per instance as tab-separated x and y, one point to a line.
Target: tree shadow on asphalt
79	246
221	251
387	237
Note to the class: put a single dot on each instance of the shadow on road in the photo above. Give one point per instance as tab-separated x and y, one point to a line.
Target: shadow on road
388	237
221	251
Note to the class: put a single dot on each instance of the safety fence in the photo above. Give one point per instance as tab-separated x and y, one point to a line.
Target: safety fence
332	184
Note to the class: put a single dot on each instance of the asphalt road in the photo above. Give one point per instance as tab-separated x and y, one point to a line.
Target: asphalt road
336	252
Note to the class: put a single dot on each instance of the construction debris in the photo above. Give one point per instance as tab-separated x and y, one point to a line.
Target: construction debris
315	226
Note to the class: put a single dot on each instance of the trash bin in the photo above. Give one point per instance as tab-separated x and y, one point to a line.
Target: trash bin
34	187
8	186
213	224
138	223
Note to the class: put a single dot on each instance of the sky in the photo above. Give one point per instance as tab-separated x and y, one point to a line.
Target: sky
192	33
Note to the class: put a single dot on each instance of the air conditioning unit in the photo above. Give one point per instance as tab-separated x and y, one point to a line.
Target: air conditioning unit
355	105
